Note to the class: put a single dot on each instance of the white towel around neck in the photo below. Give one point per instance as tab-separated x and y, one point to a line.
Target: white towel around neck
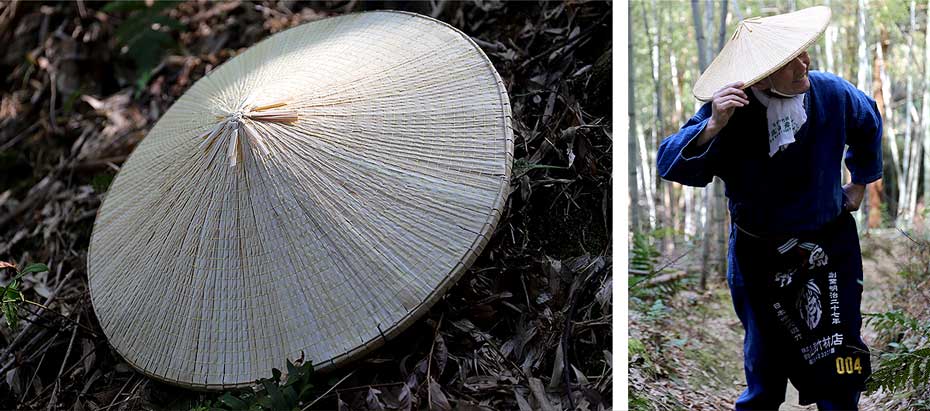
785	117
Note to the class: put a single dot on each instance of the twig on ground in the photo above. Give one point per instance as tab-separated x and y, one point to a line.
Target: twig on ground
123	388
429	358
657	271
328	391
567	44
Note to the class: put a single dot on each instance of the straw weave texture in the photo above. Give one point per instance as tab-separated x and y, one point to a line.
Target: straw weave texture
760	46
315	194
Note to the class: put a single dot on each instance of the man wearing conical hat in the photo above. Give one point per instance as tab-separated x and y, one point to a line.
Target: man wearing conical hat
775	133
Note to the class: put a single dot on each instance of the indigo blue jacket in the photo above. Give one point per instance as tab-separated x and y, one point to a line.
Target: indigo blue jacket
797	189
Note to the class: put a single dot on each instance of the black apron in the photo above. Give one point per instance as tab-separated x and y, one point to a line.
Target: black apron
807	289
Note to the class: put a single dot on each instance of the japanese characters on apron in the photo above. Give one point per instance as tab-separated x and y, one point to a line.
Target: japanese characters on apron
807	289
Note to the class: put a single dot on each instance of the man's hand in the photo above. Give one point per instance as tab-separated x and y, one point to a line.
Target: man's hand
854	194
723	103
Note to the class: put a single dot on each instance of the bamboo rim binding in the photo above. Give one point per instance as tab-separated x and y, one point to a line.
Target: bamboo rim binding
233	126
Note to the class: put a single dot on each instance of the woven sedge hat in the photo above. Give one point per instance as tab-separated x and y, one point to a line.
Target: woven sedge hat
760	46
312	196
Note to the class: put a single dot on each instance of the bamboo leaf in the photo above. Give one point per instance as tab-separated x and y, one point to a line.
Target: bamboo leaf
9	312
34	268
278	401
233	403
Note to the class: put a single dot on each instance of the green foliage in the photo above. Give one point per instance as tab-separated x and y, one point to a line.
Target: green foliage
144	36
903	366
13	296
68	105
639	356
899	370
657	310
644	265
643	254
636	346
272	393
101	182
638	402
892	321
896	11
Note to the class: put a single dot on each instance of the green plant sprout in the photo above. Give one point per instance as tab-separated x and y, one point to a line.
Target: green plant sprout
13	296
271	393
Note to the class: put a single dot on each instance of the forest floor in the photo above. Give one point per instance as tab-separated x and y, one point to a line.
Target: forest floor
689	350
528	326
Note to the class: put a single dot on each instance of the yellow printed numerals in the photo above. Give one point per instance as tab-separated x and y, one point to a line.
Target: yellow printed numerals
846	365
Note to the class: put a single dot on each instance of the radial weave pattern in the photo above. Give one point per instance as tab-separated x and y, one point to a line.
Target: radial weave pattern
313	195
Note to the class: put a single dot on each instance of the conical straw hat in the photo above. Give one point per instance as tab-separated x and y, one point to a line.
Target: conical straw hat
760	46
312	196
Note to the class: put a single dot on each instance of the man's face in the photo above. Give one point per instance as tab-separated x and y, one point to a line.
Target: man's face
792	77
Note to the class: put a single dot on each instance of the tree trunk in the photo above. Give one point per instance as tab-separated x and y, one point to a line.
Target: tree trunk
829	39
736	9
676	88
925	117
709	29
841	65
708	203
862	77
723	228
722	33
699	35
684	193
668	238
646	177
690	211
887	101
914	178
862	53
635	222
720	202
873	209
658	128
904	181
707	236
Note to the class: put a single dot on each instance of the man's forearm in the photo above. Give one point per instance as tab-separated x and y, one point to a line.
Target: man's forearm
707	134
854	194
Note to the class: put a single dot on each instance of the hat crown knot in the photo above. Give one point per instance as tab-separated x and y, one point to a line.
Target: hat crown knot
236	129
745	25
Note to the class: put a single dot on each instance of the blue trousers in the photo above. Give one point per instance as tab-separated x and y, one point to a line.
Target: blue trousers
765	362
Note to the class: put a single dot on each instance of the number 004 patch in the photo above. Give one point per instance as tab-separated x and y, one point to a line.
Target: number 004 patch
848	365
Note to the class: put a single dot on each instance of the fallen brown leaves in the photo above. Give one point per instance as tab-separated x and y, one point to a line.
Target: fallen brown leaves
528	327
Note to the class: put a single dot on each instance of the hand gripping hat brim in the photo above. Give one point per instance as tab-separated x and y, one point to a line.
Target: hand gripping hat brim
760	46
311	197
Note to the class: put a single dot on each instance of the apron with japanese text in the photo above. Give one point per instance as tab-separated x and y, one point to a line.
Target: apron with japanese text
807	289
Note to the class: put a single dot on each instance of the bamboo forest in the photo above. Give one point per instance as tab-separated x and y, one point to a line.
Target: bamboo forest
686	341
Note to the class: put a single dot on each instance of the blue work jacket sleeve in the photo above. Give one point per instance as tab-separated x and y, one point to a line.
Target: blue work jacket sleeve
864	137
680	159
